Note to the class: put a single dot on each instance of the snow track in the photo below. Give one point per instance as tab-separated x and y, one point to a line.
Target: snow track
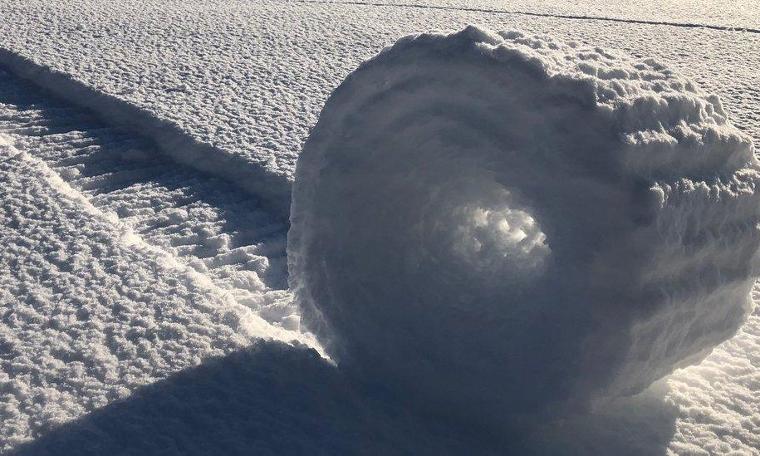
209	224
119	267
272	190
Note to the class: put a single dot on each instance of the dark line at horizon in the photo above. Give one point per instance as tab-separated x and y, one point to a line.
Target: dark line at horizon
723	28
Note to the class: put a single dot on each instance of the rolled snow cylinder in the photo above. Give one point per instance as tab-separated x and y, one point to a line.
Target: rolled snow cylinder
507	222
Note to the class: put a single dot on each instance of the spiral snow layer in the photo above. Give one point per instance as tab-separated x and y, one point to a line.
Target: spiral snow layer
507	222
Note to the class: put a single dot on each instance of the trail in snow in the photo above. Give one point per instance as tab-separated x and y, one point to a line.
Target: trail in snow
270	189
209	224
553	222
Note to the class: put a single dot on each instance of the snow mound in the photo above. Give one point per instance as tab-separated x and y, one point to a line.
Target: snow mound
505	222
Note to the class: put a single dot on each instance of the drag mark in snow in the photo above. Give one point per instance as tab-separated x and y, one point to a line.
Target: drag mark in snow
271	189
217	230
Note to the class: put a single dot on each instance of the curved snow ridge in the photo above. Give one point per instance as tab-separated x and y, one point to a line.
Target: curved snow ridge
251	325
532	224
90	312
272	188
205	222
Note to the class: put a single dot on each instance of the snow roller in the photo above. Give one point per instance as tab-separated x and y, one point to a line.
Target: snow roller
507	223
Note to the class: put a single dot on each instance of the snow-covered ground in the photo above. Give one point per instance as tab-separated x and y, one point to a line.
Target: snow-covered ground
118	268
147	236
684	13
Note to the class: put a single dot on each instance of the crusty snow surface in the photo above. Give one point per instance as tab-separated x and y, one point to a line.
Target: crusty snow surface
740	14
118	268
121	268
249	78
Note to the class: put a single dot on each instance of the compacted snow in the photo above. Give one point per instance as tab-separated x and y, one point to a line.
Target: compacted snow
204	221
147	236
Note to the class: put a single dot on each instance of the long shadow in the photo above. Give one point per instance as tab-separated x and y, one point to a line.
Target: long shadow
283	400
269	399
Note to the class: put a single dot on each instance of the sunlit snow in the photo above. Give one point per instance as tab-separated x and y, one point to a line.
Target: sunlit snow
148	150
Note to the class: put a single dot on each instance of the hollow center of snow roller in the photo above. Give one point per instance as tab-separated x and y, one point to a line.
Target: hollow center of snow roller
490	237
435	218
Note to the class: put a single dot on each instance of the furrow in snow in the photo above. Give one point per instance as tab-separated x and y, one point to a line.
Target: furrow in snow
271	188
90	312
208	224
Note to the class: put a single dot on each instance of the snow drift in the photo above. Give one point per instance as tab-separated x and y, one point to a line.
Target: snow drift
502	222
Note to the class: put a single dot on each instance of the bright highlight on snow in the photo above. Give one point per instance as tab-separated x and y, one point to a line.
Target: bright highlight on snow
488	239
507	223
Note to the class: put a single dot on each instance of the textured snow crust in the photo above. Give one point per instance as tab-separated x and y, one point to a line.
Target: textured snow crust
538	223
248	79
89	311
238	84
205	222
